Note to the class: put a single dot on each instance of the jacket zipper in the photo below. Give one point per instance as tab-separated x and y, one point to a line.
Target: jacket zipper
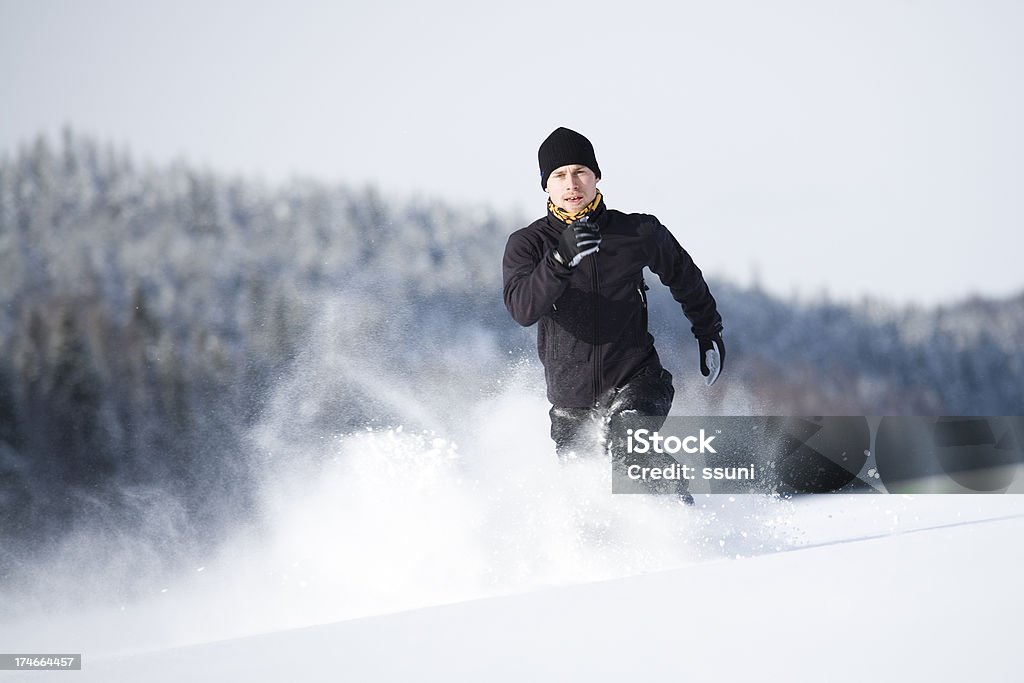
643	311
595	282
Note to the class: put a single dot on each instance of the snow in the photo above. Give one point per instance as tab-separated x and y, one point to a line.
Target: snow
889	587
473	554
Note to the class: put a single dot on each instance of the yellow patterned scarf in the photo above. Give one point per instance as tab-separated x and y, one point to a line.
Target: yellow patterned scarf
567	217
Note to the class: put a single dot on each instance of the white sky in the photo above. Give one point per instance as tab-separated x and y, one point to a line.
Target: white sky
858	147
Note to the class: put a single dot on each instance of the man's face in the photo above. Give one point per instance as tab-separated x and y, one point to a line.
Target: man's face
572	187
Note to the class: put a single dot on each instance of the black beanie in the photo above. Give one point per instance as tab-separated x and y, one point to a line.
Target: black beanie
564	147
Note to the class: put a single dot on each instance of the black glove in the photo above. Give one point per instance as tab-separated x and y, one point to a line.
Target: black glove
712	357
581	238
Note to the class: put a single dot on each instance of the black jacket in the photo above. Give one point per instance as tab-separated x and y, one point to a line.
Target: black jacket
593	319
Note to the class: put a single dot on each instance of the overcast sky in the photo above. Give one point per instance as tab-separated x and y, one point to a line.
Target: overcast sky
858	147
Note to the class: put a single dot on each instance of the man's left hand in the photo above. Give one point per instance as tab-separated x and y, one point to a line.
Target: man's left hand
712	357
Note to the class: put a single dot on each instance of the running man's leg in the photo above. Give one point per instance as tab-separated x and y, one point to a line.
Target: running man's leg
574	431
643	402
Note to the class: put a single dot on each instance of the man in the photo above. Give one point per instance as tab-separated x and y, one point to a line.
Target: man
578	273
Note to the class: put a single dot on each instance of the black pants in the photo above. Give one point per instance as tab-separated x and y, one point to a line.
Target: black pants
603	429
644	400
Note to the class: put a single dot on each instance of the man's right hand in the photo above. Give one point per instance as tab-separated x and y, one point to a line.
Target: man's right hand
580	239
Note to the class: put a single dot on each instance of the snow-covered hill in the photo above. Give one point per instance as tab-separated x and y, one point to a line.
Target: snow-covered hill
933	595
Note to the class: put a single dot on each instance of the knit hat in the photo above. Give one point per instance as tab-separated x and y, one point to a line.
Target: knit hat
564	147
